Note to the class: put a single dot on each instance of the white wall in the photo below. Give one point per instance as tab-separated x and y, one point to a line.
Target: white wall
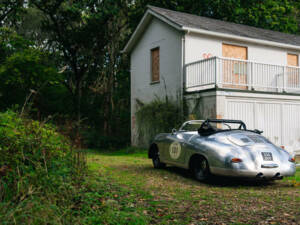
169	40
198	44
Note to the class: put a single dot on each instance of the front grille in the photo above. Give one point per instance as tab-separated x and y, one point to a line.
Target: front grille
267	156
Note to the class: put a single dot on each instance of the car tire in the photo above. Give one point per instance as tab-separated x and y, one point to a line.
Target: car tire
200	169
157	164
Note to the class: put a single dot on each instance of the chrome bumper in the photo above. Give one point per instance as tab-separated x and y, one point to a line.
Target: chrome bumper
260	173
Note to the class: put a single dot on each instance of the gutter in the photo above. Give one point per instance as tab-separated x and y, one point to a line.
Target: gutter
240	38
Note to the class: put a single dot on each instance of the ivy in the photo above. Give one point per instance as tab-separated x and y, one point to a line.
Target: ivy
158	116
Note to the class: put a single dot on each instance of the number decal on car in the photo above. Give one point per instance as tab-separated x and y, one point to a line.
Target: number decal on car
175	150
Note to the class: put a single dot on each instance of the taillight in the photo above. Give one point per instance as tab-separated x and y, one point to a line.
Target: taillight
236	160
292	160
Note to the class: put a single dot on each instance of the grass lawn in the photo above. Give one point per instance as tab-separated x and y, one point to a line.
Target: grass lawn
138	194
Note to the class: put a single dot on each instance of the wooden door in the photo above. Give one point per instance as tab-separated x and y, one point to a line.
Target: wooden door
292	72
234	72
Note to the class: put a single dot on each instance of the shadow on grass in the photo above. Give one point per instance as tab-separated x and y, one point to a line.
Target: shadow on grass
217	181
222	181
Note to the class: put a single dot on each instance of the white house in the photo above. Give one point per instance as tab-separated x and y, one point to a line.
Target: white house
222	70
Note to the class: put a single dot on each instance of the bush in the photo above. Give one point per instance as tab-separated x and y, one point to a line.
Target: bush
38	170
158	116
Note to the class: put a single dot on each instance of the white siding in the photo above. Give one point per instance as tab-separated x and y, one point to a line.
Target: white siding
241	110
278	118
197	45
169	40
291	125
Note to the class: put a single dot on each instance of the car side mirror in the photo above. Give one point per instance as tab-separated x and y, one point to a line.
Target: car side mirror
174	131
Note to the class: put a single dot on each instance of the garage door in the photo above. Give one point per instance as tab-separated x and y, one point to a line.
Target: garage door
279	121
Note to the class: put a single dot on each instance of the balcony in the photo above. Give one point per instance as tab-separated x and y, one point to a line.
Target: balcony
241	75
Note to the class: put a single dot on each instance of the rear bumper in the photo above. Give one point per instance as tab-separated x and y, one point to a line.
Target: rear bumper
260	173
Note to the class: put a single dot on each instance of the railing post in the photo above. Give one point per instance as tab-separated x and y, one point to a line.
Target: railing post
284	79
216	72
251	77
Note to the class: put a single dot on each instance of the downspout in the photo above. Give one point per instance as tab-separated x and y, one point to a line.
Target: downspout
182	80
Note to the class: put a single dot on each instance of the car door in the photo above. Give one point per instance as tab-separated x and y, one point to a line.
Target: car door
174	150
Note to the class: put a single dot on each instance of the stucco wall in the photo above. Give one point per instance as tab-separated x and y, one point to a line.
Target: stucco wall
197	46
169	40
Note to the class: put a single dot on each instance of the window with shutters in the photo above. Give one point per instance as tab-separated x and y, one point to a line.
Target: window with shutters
155	65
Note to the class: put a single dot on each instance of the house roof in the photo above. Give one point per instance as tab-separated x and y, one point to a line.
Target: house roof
199	24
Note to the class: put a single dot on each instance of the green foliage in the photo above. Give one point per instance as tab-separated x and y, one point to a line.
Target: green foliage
11	42
38	170
29	151
25	69
29	69
158	116
279	15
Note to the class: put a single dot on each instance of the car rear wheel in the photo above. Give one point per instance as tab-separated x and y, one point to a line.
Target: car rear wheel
156	162
200	169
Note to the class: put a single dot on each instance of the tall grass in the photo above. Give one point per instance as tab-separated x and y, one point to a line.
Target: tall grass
39	172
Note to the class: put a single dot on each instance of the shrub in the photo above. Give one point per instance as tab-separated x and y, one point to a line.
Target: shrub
158	116
38	170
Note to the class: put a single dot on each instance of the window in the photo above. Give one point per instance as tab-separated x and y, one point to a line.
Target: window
155	65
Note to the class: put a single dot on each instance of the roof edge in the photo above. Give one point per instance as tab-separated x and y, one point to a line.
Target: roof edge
142	24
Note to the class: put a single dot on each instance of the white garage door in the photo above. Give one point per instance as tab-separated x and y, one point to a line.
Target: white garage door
279	121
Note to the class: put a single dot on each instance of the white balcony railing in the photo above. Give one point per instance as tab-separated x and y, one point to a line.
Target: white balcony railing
241	74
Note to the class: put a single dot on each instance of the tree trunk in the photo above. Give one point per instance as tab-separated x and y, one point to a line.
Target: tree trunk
78	95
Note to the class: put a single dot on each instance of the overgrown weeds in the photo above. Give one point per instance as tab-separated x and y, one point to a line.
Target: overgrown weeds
39	172
158	116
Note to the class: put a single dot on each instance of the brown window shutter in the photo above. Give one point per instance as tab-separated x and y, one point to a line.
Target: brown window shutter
292	59
293	76
155	64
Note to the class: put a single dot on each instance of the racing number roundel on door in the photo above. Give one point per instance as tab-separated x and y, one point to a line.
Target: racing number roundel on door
175	150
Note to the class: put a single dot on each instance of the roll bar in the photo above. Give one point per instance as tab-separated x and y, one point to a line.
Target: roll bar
207	129
242	124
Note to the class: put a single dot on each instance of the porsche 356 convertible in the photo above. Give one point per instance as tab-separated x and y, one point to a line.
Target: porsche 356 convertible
221	147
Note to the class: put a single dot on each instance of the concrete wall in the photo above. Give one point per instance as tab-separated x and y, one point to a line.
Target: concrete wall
201	105
198	45
169	40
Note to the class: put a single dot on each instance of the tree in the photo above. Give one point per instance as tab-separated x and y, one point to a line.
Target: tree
80	31
10	11
276	15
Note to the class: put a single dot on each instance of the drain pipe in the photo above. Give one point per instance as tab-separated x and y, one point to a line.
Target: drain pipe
182	77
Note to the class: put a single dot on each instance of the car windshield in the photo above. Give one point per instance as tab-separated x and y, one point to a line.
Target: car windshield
193	125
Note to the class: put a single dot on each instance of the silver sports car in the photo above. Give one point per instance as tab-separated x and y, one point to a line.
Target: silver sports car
221	147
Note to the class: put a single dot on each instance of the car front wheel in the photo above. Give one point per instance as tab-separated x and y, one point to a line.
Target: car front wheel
157	163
